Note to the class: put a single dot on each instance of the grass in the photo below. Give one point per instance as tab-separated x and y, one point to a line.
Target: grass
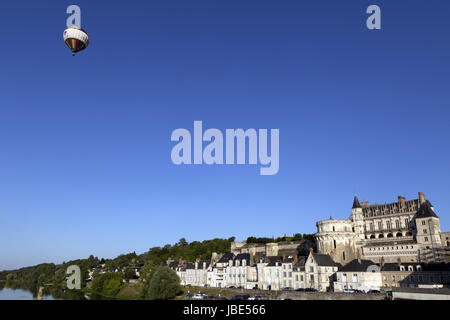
130	292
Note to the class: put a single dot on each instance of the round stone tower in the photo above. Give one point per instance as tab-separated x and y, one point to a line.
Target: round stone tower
337	239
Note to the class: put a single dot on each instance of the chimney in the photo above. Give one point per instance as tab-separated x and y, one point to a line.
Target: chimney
421	198
180	262
401	200
311	250
295	258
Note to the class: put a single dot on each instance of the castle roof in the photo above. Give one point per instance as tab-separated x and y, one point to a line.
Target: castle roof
356	203
425	211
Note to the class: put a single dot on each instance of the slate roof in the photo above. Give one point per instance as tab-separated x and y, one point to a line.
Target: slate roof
272	260
357	265
200	263
425	266
226	257
243	256
300	264
396	266
425	211
324	260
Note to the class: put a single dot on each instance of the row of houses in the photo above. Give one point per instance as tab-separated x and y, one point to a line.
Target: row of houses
315	271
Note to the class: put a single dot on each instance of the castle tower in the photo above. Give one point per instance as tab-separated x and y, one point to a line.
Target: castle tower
336	238
427	229
357	218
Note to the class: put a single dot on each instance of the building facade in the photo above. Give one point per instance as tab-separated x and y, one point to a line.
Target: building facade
362	275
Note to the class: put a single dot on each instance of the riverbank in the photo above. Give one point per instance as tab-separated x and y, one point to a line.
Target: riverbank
292	295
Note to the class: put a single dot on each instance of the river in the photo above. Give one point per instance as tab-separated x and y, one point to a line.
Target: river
19	294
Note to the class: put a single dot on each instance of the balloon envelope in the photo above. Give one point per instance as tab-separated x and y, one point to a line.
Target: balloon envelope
76	39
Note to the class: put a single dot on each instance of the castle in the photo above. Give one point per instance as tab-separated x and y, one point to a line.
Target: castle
403	231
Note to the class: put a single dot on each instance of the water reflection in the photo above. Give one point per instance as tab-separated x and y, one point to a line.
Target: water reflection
49	293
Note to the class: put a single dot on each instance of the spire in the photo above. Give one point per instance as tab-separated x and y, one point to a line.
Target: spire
356	203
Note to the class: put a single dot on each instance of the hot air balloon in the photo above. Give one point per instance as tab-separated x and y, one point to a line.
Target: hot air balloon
76	39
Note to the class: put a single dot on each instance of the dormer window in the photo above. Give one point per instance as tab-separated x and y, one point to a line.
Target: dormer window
410	268
402	268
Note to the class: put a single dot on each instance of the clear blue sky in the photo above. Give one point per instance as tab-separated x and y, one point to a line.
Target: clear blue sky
85	144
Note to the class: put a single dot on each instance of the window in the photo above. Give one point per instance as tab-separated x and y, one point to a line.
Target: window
406	222
355	277
388	225
423	223
343	255
334	243
426	239
379	225
424	230
344	277
397	224
311	269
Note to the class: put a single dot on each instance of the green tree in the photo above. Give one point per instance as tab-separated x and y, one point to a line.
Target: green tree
10	278
129	274
182	242
107	285
164	284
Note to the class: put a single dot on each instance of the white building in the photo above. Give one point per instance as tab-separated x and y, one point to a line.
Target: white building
237	272
197	273
320	271
363	275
